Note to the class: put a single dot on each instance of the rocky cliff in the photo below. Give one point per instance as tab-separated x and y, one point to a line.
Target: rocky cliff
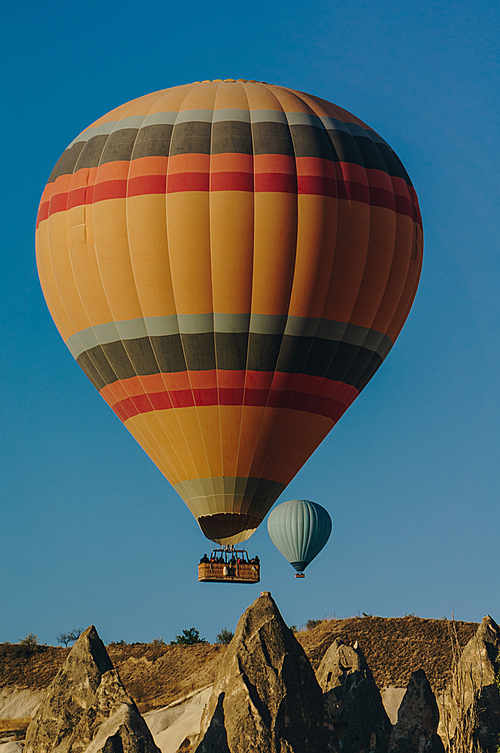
261	695
470	712
265	696
353	699
86	708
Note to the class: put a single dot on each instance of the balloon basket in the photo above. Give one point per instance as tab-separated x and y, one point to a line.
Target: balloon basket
229	565
300	575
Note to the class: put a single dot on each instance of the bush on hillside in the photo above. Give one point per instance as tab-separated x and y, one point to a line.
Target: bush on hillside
188	638
310	624
224	637
30	643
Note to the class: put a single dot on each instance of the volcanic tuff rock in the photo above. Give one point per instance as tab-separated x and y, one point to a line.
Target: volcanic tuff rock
266	698
353	699
87	708
418	718
471	702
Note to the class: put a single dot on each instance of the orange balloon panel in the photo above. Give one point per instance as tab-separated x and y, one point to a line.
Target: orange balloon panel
229	263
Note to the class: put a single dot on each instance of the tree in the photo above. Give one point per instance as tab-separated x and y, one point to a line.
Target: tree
188	638
69	637
224	637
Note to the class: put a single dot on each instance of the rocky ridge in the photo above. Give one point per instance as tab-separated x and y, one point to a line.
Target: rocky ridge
155	675
353	699
267	699
86	708
265	696
418	719
470	712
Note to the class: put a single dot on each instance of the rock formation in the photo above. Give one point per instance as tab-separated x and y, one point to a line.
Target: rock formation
471	703
353	700
418	719
87	708
266	698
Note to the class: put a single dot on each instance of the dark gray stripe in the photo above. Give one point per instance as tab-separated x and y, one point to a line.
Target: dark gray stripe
229	485
119	146
231	137
259	324
237	496
303	135
272	138
191	138
153	140
314	356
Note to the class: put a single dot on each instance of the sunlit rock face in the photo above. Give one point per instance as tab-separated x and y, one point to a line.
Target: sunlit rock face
353	700
266	697
86	708
470	713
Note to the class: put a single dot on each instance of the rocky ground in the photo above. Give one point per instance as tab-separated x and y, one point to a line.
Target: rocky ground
157	675
335	687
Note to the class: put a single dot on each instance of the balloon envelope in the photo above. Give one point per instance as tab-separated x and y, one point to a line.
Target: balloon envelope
229	262
299	529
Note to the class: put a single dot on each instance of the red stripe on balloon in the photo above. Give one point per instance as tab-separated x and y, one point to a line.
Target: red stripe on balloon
320	185
230	385
295	400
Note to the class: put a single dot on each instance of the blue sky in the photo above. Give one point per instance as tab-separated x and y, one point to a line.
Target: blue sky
90	532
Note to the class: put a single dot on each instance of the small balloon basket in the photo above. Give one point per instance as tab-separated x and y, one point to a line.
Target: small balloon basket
229	565
300	575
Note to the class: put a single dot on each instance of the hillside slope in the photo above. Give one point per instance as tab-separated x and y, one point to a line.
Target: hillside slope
157	675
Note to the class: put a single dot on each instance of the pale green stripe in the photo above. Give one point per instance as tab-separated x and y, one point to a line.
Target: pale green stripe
267	324
268	116
262	324
195	116
134	121
231	322
224	115
231	113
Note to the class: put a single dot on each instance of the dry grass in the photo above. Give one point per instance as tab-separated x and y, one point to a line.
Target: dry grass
14	725
393	647
156	675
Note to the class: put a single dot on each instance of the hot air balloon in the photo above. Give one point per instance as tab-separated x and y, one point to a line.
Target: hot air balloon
300	530
229	262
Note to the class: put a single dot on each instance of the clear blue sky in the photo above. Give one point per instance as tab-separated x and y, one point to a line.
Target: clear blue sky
90	532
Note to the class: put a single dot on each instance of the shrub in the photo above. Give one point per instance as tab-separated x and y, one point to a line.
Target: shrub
30	642
158	642
188	638
224	637
310	624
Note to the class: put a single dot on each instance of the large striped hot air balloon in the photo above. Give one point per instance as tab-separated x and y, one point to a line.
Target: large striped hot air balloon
229	262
